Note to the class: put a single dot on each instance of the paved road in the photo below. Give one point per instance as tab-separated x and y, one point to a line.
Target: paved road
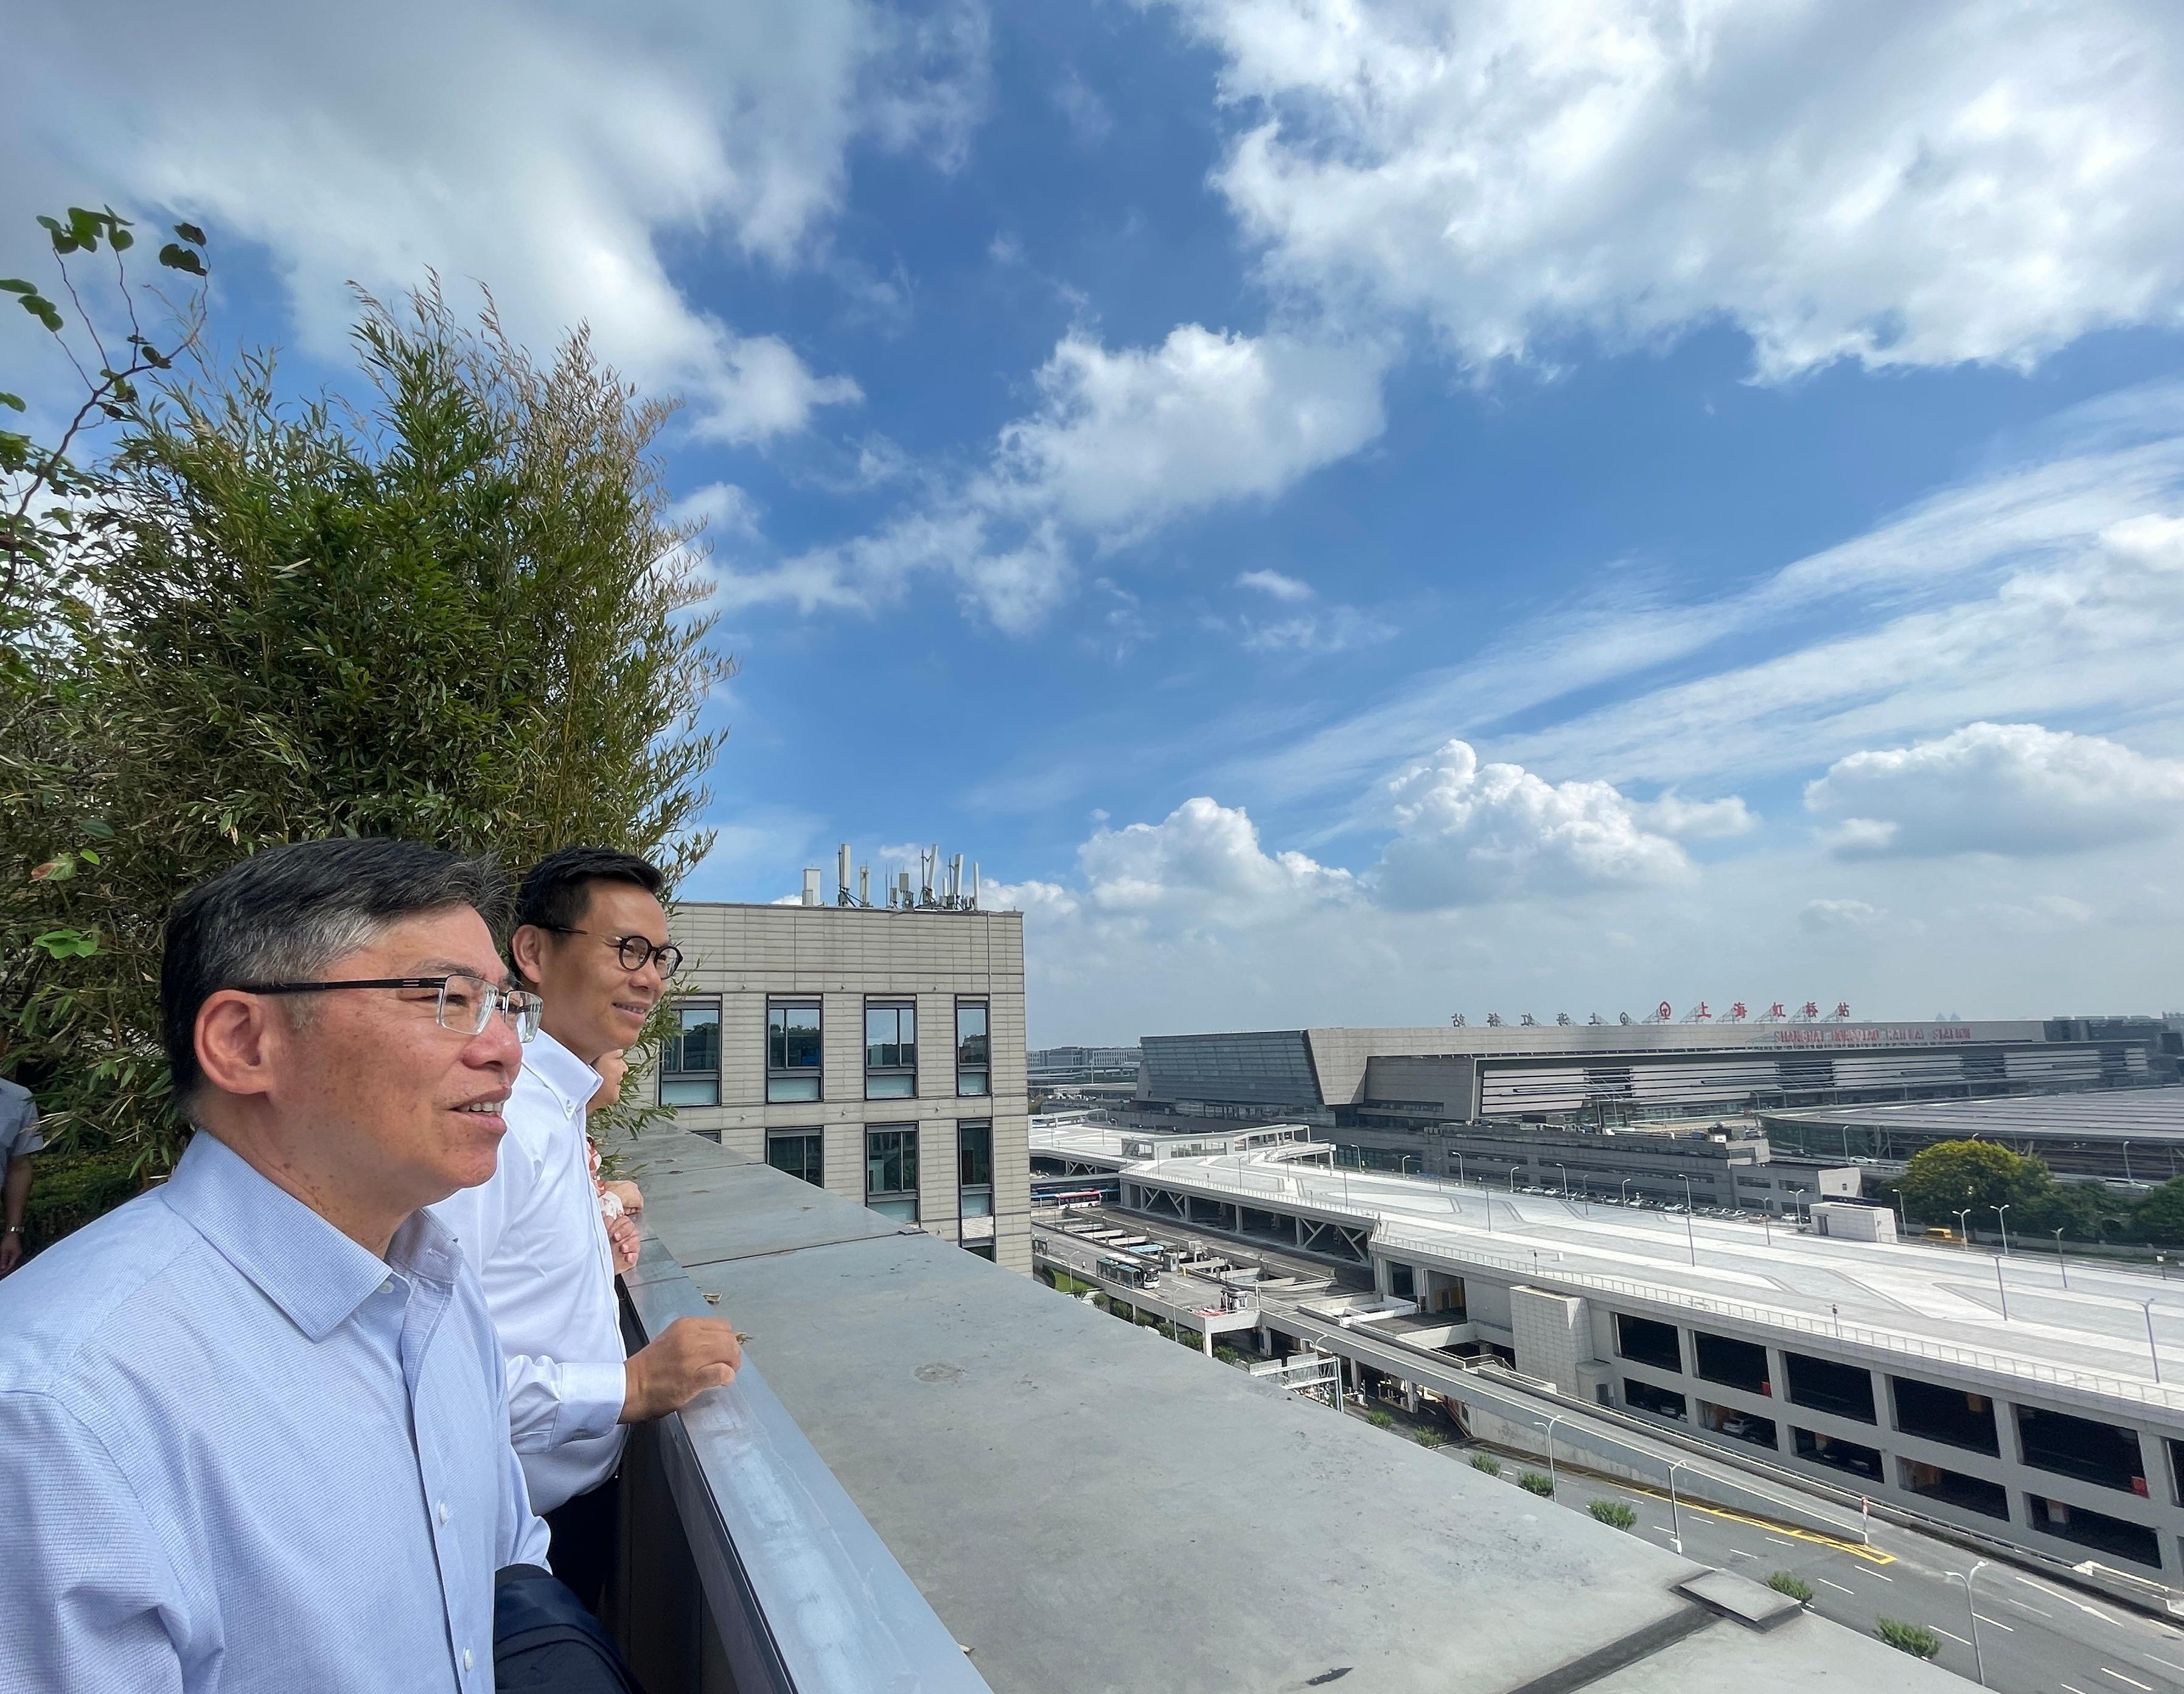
2034	1637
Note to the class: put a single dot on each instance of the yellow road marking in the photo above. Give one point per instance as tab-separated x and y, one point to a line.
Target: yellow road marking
1856	1549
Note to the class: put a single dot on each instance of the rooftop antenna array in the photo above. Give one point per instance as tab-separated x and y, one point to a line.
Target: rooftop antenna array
941	884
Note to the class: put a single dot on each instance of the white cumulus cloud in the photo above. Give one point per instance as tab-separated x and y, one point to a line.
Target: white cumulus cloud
1820	917
1469	832
1204	860
2013	788
1967	180
1276	584
553	153
1685	820
1120	442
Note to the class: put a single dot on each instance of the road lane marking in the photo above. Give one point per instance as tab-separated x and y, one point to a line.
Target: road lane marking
2010	1600
2067	1599
2067	1689
1837	1586
1992	1624
1779	1542
1884	1579
1739	1552
1939	1631
2132	1680
2157	1659
1766	1526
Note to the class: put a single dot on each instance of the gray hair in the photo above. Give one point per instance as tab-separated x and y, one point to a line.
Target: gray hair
285	914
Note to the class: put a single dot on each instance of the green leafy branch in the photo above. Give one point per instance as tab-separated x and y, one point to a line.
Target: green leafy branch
112	393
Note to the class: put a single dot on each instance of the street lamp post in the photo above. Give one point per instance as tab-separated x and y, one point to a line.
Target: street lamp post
2000	1290
1513	1179
1407	1159
1978	1664
1998	1212
1552	1422
2152	1349
1626	1190
1690	1235
2126	1158
1564	1170
1458	1157
1675	1511
1964	1229
2061	1263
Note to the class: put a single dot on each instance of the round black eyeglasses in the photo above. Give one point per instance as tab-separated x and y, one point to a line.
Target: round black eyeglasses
634	951
465	1003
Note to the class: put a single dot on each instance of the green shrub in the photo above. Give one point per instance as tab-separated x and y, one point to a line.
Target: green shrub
1487	1462
1915	1639
1379	1419
1615	1513
1432	1438
69	1190
1782	1582
1537	1482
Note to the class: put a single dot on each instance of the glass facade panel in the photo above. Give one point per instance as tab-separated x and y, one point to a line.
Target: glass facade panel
791	1050
891	1171
890	1051
797	1152
973	1049
690	1058
974	1169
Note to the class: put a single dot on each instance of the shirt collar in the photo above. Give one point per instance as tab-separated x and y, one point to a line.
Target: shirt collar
568	1078
316	1274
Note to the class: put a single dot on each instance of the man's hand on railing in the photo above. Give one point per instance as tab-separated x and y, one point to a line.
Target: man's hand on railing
692	1355
623	1242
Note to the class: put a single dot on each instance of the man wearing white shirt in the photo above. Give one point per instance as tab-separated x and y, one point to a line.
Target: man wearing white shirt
591	938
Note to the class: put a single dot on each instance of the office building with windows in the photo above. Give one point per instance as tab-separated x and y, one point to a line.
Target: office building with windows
878	1053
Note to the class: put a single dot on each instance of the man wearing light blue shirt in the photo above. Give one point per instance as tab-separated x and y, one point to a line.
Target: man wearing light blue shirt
253	1426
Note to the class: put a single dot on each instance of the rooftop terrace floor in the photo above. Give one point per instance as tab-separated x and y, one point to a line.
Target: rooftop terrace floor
1089	1509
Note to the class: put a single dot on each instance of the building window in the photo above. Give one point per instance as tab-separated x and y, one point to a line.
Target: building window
1648	1342
974	1072
890	1051
690	1061
974	1169
891	1171
796	1151
979	1249
792	1049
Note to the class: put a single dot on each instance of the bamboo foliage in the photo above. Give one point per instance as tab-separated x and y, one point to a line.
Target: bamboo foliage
455	609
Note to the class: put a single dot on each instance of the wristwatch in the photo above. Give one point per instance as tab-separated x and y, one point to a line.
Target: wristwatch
13	1229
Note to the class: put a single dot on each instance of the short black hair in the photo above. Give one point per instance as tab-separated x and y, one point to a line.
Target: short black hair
284	914
557	892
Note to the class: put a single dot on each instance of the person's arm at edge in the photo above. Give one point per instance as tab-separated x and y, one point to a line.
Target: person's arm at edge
14	1199
551	1401
89	1603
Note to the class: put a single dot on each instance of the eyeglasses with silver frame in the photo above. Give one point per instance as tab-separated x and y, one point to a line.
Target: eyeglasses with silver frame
465	1004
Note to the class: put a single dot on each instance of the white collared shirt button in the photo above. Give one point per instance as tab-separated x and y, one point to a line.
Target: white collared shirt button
467	1660
443	1511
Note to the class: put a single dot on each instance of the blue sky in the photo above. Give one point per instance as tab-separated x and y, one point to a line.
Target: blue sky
1349	512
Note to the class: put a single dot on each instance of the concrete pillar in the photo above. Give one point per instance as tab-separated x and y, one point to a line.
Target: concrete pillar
1205	1340
1411	1398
